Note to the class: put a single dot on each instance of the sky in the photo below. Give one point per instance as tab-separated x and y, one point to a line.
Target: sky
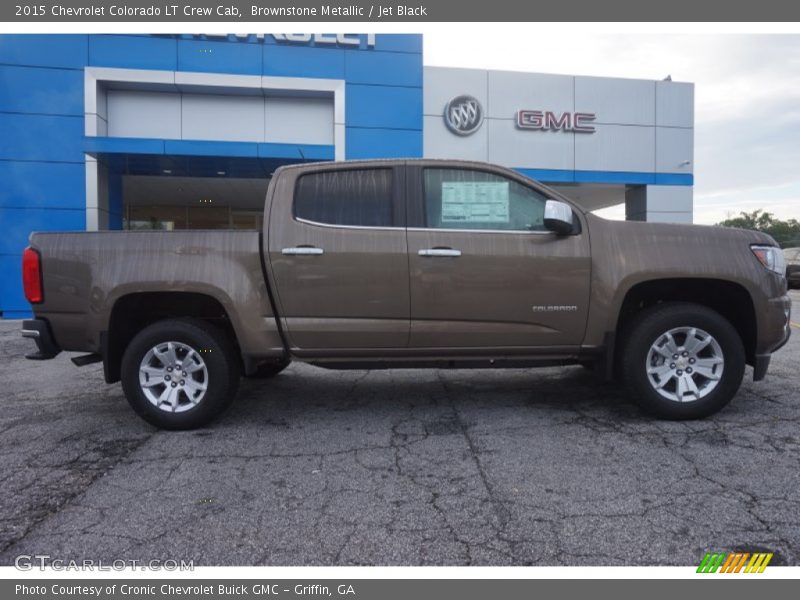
747	99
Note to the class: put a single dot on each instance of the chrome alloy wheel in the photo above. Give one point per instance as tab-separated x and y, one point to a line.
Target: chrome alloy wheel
685	364
173	376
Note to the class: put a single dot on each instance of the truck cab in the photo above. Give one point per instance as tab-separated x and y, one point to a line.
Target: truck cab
418	258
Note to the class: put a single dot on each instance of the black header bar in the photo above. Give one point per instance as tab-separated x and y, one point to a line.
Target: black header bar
278	11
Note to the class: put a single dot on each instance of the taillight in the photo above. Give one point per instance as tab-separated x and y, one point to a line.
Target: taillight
32	275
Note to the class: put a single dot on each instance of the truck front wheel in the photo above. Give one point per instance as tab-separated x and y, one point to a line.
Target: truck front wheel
180	373
682	360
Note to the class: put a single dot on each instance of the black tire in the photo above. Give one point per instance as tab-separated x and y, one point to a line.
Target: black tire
268	370
652	323
218	354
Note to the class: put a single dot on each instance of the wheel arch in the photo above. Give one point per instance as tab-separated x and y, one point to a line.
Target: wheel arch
728	298
134	311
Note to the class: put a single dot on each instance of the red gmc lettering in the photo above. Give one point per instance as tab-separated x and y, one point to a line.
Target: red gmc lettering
581	125
530	119
551	121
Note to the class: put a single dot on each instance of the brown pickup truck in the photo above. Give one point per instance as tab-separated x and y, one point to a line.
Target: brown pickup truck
383	264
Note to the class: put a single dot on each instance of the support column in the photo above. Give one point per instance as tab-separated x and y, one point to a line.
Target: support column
659	203
96	194
115	207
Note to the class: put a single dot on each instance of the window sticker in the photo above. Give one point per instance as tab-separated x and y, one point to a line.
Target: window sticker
475	202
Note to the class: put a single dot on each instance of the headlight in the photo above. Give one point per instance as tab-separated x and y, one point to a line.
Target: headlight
771	257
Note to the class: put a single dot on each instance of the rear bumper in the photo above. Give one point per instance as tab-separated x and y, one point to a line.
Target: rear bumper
39	331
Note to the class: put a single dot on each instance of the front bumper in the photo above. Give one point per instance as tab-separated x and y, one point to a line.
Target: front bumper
779	313
39	331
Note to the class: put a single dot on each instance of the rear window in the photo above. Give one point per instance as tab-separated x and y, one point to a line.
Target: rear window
356	197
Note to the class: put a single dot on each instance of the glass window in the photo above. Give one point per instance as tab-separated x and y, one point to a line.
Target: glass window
208	217
470	199
247	219
361	197
165	218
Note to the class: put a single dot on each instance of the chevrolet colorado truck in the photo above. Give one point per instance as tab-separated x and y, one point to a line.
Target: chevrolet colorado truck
410	263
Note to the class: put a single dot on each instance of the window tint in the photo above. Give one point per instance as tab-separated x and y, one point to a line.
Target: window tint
469	199
360	197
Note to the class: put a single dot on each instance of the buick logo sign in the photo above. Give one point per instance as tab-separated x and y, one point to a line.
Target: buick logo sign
463	115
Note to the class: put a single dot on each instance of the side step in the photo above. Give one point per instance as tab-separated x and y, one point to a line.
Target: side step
86	359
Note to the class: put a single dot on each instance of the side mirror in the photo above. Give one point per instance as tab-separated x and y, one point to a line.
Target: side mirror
558	217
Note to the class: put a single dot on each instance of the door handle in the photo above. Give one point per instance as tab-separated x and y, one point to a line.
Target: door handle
302	251
439	252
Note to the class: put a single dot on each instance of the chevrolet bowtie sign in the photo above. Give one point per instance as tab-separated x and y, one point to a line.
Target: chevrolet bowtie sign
546	120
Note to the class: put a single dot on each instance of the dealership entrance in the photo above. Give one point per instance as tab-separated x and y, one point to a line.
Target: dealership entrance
141	191
173	203
170	150
184	192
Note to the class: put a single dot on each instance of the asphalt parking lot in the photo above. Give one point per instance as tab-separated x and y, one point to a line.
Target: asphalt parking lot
508	467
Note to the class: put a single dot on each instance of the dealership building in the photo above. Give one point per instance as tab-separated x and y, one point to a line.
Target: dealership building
184	131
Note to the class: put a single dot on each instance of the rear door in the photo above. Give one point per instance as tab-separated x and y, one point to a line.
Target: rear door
484	271
338	256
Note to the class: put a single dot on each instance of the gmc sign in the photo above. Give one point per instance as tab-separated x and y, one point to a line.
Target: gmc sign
546	120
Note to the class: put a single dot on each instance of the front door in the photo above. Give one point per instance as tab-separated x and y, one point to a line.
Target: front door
484	271
338	254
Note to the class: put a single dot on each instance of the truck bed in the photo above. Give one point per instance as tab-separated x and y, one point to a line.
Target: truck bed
86	273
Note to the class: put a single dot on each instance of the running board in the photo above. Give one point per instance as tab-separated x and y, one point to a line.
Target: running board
86	359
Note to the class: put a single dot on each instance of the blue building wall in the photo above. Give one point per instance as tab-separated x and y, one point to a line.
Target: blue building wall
42	141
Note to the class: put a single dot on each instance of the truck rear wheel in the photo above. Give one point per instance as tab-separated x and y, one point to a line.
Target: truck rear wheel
682	361
180	373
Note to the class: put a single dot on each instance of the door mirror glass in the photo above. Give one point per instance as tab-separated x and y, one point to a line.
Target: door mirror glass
558	217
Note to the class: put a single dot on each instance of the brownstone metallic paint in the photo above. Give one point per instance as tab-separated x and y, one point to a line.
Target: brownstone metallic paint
410	305
627	253
486	296
355	295
348	306
86	273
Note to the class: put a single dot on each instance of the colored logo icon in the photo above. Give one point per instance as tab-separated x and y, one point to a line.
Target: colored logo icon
463	115
734	562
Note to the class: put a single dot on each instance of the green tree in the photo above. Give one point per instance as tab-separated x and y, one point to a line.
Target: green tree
786	233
